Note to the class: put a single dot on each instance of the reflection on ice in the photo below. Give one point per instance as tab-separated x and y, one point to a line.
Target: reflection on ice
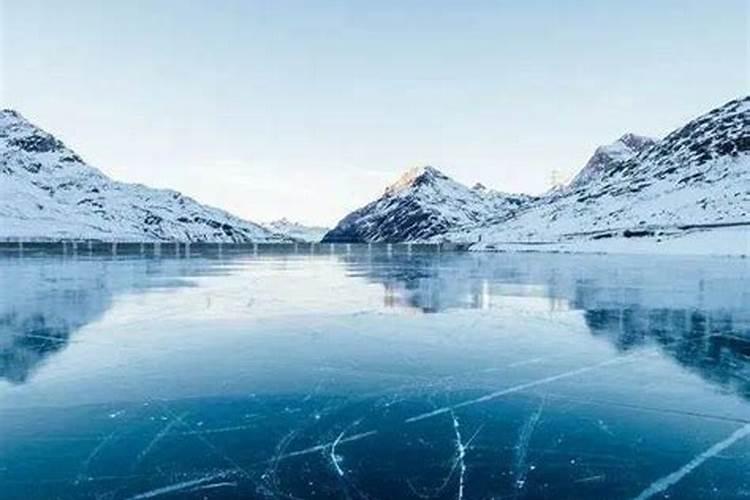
46	301
373	373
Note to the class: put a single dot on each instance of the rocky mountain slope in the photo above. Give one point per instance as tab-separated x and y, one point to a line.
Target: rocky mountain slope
697	176
47	191
424	203
296	231
606	158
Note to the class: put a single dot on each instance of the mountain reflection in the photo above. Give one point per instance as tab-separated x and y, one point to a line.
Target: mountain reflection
26	340
709	343
697	312
45	301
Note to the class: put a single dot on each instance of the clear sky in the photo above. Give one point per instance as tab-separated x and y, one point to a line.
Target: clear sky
307	109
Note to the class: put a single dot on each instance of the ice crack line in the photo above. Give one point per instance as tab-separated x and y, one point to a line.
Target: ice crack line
326	446
334	458
207	443
172	488
461	448
94	453
460	454
158	437
667	481
522	446
518	388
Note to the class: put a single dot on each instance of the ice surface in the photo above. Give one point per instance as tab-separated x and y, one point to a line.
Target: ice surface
365	373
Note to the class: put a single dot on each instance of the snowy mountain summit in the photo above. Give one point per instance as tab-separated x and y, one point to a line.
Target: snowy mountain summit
47	191
695	179
421	204
606	158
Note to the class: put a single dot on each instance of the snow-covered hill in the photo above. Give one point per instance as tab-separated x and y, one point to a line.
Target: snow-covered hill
47	191
423	204
699	175
296	231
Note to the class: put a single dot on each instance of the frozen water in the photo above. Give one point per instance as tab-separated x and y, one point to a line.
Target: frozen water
366	372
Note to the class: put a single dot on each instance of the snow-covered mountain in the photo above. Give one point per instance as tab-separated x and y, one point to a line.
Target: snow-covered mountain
296	231
47	191
606	158
696	176
423	204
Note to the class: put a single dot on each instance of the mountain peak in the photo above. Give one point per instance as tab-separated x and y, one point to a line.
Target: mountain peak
11	117
421	205
626	145
50	192
22	134
9	113
605	158
636	142
415	176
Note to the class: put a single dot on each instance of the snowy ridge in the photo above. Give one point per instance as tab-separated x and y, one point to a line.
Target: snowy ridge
424	203
296	231
699	175
606	158
697	178
47	191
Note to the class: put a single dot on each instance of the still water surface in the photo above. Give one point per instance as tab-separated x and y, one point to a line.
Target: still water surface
362	373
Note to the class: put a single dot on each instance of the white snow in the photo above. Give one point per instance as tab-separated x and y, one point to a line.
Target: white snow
734	242
49	192
698	177
686	193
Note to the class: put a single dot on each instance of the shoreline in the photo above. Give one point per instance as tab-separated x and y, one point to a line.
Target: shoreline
718	242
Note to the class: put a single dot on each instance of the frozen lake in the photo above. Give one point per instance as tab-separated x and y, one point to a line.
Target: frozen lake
362	373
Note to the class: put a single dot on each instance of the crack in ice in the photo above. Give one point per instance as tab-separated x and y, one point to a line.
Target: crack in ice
334	458
675	477
212	486
181	486
522	447
219	430
327	446
460	454
95	452
519	388
270	476
206	442
158	437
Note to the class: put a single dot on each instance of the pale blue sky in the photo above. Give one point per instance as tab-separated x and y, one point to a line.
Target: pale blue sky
306	109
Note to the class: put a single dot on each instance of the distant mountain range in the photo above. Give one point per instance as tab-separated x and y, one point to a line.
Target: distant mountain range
296	231
699	175
47	191
696	177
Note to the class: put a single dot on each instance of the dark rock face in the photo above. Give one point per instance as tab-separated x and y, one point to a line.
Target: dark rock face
724	131
413	223
38	143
